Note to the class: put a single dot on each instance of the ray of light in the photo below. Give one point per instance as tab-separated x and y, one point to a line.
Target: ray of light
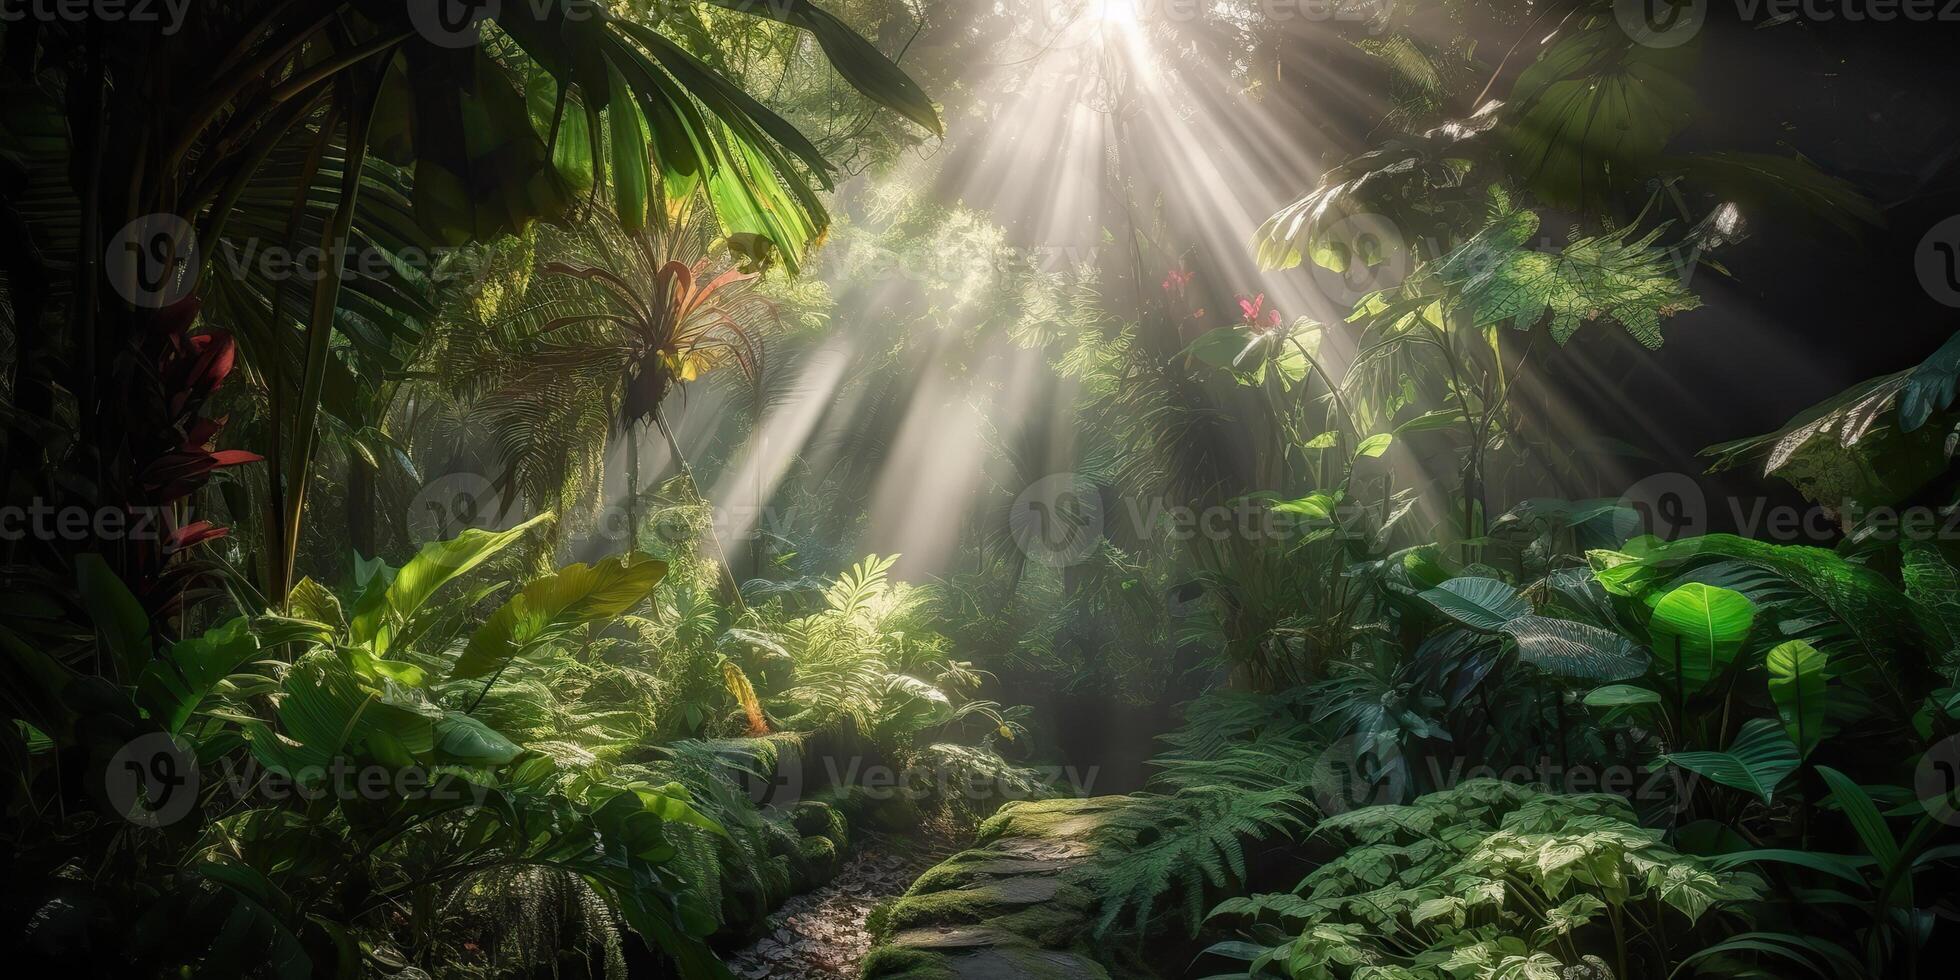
744	488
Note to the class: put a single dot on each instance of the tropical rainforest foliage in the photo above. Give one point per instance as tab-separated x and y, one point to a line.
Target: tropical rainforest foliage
530	488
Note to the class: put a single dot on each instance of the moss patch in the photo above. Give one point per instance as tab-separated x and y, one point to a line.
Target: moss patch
814	818
1055	821
1002	909
899	963
983	864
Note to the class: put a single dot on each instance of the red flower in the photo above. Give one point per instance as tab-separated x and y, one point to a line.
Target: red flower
1176	279
1254	314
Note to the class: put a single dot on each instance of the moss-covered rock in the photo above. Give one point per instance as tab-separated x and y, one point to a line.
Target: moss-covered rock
986	963
1056	828
1055	906
899	963
984	864
815	818
817	861
1002	909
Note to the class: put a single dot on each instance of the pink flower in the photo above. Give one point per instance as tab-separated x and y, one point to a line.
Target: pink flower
1254	314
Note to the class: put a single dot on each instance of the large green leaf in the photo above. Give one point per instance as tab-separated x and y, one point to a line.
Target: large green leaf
467	740
482	170
1756	762
1858	617
912	705
1592	115
1796	683
387	607
552	605
1402	179
860	64
1764	183
672	803
1482	604
1842	449
632	171
121	625
1614	276
1933	590
325	711
172	686
1864	816
1577	650
1700	628
1621	696
1931	386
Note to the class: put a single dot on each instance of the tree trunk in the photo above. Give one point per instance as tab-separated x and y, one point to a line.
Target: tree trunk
731	591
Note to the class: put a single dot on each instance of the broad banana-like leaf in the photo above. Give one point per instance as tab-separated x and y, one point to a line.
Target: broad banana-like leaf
1576	650
1697	630
865	67
313	602
555	604
1621	696
1796	684
1865	819
172	686
1481	604
915	705
325	711
386	608
1756	762
1593	110
466	739
121	625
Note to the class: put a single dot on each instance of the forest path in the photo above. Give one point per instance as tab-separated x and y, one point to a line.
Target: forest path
820	934
1010	907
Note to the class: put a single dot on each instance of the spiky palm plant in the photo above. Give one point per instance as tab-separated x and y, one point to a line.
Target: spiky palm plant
593	345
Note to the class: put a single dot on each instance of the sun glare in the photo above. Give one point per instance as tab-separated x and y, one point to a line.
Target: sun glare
1122	14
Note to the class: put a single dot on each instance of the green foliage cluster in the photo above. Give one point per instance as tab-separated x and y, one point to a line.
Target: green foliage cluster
1491	879
560	798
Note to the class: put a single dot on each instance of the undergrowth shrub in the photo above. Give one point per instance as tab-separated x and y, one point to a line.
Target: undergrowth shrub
1490	879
